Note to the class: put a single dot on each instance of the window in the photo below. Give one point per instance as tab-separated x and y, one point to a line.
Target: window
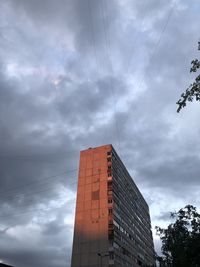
110	200
111	243
109	153
111	255
95	195
110	211
109	185
110	226
110	234
109	174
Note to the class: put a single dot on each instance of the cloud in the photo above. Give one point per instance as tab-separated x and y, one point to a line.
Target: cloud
77	74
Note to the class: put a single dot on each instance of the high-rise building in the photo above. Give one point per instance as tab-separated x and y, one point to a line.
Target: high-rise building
112	221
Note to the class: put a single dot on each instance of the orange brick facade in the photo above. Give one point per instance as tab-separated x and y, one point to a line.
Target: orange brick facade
91	220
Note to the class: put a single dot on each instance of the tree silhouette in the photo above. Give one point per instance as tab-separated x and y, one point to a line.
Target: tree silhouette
193	91
181	239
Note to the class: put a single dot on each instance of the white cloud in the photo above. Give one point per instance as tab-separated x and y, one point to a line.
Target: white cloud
56	98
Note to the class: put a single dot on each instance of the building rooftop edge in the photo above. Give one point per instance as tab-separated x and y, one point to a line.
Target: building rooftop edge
90	148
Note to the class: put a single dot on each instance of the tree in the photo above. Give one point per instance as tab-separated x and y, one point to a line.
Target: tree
181	239
193	91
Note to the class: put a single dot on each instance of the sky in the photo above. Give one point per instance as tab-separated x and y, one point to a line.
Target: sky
76	74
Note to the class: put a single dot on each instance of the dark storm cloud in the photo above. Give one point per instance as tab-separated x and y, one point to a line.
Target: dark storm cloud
45	240
82	108
179	174
83	18
38	255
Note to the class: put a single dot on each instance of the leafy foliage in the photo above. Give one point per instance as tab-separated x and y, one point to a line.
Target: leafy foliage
193	91
181	240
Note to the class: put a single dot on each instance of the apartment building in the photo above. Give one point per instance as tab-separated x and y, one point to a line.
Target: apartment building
112	221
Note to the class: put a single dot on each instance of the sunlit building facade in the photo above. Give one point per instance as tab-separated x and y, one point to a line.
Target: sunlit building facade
112	221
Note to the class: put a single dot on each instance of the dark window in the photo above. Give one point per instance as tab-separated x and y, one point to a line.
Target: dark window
110	234
109	174
95	195
109	153
109	185
109	159
111	242
111	255
110	200
110	226
110	211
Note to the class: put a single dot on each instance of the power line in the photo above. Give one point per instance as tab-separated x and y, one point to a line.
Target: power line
136	35
156	45
92	33
98	65
108	49
162	31
39	209
41	178
24	206
22	195
37	157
